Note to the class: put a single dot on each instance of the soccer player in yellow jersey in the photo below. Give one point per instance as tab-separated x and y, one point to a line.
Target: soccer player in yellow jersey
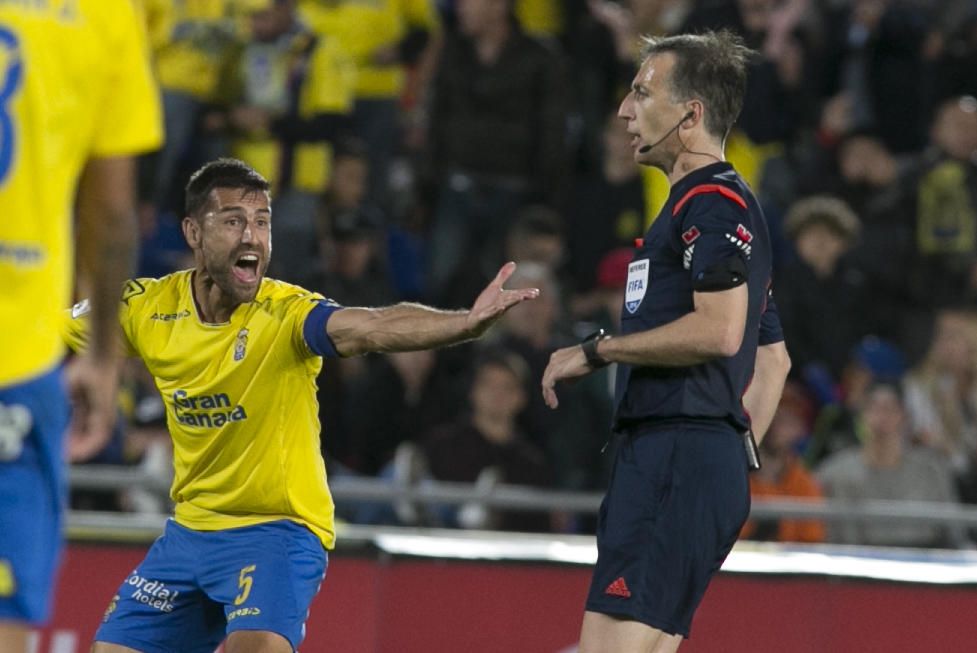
235	356
77	100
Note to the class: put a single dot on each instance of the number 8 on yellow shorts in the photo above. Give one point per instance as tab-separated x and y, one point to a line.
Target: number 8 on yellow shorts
196	587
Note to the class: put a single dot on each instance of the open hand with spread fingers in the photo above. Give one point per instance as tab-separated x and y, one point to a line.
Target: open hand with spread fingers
495	300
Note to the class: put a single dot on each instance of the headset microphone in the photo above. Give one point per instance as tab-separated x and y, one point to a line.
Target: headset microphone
648	148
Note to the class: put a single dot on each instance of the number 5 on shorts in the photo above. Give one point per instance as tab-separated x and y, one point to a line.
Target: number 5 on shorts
244	581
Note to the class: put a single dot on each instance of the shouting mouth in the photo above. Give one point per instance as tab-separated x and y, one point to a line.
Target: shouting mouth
245	268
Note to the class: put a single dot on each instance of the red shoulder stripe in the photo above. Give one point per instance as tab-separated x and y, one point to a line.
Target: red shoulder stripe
708	188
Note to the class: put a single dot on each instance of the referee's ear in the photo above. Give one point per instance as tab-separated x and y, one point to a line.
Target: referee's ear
191	231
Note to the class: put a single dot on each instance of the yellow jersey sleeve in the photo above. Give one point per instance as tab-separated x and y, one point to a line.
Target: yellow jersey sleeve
331	81
129	116
75	324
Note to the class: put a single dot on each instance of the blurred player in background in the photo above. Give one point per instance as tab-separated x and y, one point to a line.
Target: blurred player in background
697	325
235	356
77	100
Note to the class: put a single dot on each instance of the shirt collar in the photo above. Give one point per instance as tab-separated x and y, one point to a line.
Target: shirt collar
696	177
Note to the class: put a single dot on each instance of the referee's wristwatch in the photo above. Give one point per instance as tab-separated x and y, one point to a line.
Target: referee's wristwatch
589	345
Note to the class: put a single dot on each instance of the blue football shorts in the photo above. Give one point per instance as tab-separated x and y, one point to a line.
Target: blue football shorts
678	496
196	587
33	419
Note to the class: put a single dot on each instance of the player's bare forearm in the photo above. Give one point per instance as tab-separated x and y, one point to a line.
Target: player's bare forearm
106	243
713	330
402	327
763	395
409	327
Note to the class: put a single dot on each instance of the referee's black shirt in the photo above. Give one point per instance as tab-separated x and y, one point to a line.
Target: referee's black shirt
710	215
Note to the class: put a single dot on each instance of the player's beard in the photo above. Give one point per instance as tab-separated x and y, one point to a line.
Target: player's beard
221	270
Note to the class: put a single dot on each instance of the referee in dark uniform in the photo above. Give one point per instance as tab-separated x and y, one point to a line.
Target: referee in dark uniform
699	328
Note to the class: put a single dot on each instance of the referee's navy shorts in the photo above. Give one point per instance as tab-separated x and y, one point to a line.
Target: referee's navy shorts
678	496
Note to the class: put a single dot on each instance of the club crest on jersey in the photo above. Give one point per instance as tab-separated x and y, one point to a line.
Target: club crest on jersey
742	239
637	284
241	344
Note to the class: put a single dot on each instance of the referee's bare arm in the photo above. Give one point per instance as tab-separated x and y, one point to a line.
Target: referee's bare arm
714	329
763	395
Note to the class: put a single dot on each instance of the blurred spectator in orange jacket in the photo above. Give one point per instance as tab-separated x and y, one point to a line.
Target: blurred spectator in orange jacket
782	474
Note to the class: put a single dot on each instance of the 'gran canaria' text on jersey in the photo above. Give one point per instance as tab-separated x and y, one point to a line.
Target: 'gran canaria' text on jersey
207	411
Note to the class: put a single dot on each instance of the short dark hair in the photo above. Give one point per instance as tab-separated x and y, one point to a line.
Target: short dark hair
221	173
710	67
892	385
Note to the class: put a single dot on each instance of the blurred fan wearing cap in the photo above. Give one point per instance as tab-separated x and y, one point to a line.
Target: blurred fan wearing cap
872	360
356	274
823	296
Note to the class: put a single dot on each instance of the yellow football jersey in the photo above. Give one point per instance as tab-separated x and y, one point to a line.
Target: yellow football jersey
191	39
75	83
362	28
542	18
265	75
240	402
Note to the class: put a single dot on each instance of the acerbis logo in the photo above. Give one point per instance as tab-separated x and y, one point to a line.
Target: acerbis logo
243	612
169	317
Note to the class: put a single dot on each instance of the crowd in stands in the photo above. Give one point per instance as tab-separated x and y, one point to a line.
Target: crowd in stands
415	145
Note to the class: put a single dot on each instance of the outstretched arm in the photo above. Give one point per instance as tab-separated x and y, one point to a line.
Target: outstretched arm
763	395
409	327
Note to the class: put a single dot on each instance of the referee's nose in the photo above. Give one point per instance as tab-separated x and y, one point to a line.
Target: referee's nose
626	110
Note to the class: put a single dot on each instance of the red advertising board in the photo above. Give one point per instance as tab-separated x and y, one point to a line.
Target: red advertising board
401	605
